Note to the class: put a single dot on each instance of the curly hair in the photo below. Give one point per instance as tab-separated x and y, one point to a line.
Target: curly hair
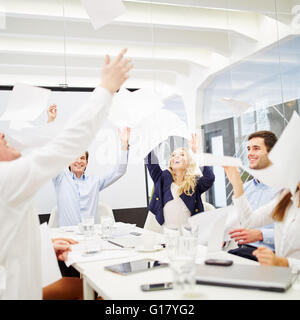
189	181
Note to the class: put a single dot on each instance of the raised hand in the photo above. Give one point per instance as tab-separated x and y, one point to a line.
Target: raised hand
234	178
52	112
124	135
194	143
115	73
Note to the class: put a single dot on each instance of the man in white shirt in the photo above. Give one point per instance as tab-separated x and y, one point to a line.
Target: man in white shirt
77	193
22	177
258	194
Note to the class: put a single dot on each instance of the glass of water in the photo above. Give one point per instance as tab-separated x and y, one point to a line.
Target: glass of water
182	263
107	223
88	226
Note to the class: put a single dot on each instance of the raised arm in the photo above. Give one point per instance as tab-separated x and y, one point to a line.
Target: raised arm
116	173
52	113
153	166
21	178
208	178
248	217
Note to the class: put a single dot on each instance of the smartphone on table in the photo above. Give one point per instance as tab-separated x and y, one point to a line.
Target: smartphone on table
157	286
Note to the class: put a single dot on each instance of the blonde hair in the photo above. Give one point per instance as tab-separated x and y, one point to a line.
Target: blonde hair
189	181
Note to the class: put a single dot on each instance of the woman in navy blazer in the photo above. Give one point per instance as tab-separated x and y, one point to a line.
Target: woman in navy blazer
181	171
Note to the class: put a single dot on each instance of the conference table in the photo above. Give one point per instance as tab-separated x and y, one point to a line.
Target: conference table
113	286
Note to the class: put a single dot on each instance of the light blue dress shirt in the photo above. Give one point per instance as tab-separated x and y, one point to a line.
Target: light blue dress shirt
79	196
258	194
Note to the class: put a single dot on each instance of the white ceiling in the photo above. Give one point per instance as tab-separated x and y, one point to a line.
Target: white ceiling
173	43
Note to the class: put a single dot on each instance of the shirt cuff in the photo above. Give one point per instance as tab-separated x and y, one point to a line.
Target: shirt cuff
294	264
239	202
268	236
103	91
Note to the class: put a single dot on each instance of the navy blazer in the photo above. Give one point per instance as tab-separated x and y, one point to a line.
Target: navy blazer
162	189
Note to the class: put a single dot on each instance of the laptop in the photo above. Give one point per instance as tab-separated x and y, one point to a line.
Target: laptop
267	278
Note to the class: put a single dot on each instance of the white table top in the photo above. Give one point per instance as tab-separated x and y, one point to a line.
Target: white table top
114	286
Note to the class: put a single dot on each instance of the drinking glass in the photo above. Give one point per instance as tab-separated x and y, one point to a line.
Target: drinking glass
107	223
171	235
87	224
182	263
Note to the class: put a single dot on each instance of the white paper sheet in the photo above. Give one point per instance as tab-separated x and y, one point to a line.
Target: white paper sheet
285	157
102	12
209	159
103	251
129	109
155	130
50	268
236	106
33	137
211	230
26	103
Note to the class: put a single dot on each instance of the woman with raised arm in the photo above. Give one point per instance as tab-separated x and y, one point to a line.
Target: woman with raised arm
284	211
177	190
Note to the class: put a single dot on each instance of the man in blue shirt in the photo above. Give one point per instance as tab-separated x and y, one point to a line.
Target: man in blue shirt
258	194
77	193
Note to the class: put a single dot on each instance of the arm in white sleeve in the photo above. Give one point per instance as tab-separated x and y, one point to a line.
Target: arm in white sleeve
294	264
254	219
116	173
23	177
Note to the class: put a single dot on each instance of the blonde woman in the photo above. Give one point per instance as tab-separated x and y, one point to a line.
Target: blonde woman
177	191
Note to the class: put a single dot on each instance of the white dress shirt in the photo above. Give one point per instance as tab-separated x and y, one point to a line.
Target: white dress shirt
286	232
20	250
78	197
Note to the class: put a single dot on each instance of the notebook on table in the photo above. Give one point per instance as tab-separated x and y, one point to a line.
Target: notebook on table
267	278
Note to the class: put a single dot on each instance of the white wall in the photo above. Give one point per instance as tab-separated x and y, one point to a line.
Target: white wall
128	192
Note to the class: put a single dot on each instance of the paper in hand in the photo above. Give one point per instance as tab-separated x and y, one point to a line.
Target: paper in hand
154	130
209	159
284	172
129	109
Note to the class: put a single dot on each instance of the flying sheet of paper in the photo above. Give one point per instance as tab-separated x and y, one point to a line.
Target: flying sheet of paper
236	106
102	12
18	125
50	268
205	221
32	137
285	157
209	159
129	109
154	130
26	103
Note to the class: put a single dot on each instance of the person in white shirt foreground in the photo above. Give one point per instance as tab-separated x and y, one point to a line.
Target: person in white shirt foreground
284	211
22	177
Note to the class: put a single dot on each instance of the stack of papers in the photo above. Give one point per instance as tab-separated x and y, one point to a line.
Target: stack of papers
95	250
